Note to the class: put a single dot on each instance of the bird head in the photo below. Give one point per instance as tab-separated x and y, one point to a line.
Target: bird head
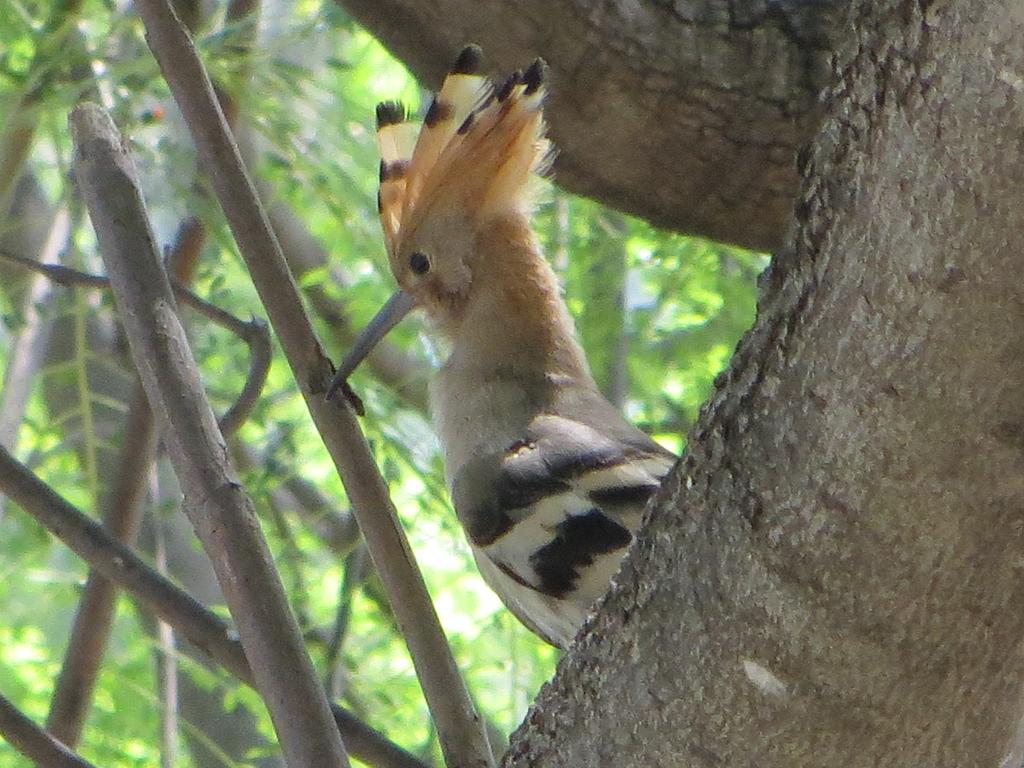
453	190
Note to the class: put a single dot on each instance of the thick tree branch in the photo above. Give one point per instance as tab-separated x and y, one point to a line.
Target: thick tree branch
214	501
33	742
688	113
833	576
459	726
202	627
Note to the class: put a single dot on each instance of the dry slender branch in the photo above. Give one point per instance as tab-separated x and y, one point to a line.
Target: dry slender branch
58	273
221	513
291	562
462	736
90	631
33	742
167	674
167	669
253	332
28	349
357	568
256	335
94	617
403	373
202	627
88	539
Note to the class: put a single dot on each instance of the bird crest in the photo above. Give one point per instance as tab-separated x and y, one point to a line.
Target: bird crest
478	148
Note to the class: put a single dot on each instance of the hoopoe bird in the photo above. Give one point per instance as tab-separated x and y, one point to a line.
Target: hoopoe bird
547	478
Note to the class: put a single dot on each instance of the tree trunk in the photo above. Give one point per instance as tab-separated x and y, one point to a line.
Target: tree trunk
686	112
834	578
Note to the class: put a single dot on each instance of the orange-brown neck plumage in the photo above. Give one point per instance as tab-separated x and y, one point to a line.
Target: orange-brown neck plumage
514	316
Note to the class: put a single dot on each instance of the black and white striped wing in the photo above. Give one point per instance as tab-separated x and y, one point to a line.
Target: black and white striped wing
550	517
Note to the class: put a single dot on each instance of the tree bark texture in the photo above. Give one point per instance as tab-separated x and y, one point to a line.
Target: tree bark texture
834	575
686	112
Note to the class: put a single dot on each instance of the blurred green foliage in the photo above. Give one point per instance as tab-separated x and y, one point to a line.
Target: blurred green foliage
659	314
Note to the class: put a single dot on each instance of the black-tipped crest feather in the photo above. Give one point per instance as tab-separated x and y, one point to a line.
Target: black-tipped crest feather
476	142
535	76
510	82
438	112
469	62
393	170
467	124
390	113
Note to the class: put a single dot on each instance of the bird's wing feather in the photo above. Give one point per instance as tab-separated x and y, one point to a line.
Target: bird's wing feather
564	493
556	455
550	516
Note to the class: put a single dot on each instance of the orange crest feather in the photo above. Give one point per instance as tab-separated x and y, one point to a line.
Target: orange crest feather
478	147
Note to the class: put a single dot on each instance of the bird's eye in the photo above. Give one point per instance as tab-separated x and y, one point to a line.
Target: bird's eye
419	262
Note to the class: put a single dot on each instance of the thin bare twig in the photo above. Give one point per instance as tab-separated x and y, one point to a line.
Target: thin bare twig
58	273
215	502
357	568
460	728
338	530
167	670
33	742
291	561
90	631
253	332
256	335
202	627
29	347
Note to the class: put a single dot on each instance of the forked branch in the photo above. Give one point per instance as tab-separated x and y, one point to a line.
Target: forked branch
253	332
220	511
460	728
202	627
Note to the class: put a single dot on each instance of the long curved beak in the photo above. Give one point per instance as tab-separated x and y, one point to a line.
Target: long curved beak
397	307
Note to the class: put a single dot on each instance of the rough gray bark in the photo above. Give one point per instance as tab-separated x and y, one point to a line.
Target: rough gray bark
834	576
686	112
